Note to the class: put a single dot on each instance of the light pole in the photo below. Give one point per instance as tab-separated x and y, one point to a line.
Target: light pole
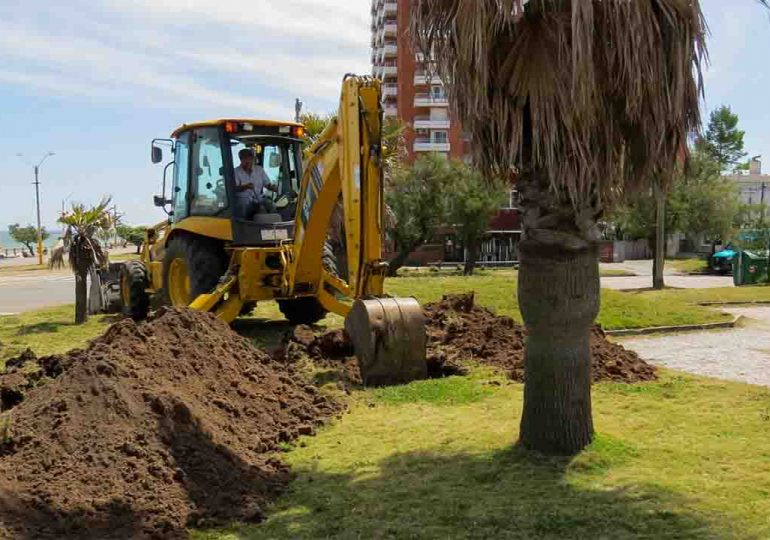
37	201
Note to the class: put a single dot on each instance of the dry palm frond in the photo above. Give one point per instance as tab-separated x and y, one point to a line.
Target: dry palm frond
598	96
81	238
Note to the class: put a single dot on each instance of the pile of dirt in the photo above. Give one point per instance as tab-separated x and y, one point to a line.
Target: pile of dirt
152	428
459	329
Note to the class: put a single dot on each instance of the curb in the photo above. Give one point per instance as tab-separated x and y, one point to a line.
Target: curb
675	329
737	303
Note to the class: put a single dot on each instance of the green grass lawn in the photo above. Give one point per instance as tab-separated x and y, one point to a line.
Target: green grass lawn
680	458
48	331
689	266
615	272
619	309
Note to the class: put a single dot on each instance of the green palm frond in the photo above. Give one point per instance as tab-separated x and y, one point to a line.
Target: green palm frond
598	96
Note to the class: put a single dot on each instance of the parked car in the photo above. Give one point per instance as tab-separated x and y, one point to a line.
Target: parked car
722	261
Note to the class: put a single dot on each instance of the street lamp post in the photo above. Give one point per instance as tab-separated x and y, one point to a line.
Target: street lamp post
37	201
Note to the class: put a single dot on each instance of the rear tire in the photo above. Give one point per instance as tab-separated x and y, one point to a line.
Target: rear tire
303	310
133	290
204	259
307	309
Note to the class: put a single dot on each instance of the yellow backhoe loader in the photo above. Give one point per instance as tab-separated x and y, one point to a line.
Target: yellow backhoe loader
211	257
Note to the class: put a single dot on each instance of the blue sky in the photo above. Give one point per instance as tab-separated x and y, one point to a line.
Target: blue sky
96	80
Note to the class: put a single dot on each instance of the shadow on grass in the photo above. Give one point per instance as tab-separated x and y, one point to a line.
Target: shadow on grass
505	494
46	327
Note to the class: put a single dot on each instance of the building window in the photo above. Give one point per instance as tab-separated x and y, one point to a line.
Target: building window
513	200
440	137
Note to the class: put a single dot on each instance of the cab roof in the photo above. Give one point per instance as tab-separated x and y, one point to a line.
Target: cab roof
221	122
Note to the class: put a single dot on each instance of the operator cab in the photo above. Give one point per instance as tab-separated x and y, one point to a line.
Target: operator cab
203	176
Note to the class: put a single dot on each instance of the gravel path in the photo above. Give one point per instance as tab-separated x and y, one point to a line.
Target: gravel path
739	354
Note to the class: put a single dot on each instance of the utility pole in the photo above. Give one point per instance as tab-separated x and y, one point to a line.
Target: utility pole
37	201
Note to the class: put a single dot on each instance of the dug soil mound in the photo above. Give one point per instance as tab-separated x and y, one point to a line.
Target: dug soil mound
152	428
459	331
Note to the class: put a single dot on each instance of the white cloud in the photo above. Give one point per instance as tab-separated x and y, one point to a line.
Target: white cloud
251	57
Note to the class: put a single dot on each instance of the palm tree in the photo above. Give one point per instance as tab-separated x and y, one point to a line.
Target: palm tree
581	101
83	227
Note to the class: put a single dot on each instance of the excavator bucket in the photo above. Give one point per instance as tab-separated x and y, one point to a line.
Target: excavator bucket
388	336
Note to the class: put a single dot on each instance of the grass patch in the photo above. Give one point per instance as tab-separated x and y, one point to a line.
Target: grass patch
120	257
619	310
448	391
689	266
22	268
48	331
693	464
615	272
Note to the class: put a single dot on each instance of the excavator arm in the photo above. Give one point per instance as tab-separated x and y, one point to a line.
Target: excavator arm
344	171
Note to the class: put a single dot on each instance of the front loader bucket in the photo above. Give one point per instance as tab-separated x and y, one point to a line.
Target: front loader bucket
388	336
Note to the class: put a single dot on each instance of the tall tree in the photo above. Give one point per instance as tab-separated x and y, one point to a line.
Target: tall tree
473	201
417	199
723	141
27	235
83	249
582	99
132	235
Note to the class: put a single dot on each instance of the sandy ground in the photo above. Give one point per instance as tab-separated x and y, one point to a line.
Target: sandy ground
739	354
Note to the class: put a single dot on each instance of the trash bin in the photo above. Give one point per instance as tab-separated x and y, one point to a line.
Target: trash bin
750	268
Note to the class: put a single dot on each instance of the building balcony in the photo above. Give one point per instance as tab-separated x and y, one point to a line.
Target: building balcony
429	100
389	90
422	78
389	50
390	110
390	8
390	28
425	122
428	145
385	71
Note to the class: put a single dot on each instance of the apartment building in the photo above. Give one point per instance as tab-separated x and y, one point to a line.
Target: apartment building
409	93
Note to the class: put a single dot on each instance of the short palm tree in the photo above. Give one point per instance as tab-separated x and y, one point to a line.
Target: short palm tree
580	101
83	228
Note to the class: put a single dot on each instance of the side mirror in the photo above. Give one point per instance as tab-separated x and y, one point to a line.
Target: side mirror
157	154
160	201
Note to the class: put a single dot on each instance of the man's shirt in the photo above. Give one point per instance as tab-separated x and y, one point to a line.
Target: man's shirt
258	177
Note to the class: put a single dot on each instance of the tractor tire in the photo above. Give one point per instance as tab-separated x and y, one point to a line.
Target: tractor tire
303	310
203	261
247	308
133	290
307	309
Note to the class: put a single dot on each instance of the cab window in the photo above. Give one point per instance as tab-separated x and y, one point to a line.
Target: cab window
209	195
179	192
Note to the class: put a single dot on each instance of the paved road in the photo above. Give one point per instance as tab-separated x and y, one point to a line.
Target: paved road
33	290
740	354
671	280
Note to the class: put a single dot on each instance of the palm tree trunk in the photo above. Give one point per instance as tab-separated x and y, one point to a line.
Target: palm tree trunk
559	300
659	252
81	297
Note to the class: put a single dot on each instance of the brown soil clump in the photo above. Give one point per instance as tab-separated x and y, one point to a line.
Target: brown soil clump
458	329
151	429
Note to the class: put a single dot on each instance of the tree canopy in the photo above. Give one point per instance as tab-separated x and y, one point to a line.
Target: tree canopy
417	197
27	235
472	201
723	141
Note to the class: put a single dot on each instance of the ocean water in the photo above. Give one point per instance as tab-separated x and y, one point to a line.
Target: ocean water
6	242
